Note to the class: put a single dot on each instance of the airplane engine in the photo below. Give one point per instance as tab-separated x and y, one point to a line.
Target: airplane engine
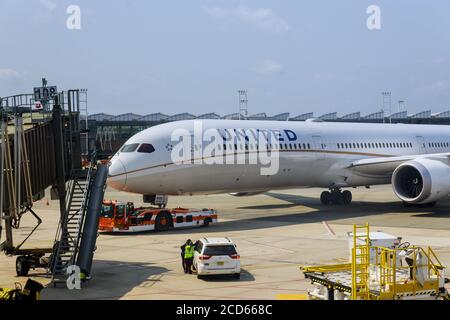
421	181
247	193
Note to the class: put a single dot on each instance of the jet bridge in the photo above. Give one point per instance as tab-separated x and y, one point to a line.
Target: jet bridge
43	140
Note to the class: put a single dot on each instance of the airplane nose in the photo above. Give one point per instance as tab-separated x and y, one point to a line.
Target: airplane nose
117	175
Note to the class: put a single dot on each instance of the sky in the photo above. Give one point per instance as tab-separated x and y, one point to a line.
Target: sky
193	56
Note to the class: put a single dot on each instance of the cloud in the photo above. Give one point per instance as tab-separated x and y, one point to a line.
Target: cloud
260	18
8	73
268	67
48	4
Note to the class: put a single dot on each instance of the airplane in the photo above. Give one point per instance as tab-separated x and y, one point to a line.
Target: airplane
414	159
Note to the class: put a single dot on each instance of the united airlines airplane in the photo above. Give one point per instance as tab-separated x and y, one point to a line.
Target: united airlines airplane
333	156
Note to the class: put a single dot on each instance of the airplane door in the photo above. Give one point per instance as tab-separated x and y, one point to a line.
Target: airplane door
319	145
421	146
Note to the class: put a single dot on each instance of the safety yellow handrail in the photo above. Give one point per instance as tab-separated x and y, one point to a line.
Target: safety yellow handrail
327	268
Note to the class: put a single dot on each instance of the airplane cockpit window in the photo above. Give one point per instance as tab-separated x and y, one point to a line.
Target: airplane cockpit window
146	148
129	147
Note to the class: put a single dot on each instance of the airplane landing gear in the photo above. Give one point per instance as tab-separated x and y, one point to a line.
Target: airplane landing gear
336	196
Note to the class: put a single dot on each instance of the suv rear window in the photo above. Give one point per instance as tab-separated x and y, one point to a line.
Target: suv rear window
224	250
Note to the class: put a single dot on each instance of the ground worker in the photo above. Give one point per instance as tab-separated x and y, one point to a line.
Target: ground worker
183	262
188	256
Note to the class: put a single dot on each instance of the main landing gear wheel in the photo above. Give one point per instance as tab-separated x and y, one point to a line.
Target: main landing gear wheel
325	197
347	197
336	197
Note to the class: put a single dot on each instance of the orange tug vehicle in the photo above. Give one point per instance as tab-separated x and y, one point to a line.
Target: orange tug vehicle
119	216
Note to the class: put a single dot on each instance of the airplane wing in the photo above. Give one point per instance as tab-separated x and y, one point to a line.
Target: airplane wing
385	166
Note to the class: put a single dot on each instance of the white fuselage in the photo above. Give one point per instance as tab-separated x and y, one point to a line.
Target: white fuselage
311	154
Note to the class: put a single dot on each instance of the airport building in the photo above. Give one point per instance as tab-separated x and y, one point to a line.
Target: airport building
108	132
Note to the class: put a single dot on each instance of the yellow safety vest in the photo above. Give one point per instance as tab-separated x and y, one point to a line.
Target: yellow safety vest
188	252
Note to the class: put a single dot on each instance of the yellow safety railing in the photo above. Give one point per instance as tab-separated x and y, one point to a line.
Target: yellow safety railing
360	262
391	278
327	268
387	273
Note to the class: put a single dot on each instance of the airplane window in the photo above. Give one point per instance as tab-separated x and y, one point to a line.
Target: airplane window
309	146
130	147
346	146
235	147
286	146
290	146
295	146
357	145
146	148
338	146
281	146
224	147
304	146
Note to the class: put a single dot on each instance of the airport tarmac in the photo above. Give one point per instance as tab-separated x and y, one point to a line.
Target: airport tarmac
275	233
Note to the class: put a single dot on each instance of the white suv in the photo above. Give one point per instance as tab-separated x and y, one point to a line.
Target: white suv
214	256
